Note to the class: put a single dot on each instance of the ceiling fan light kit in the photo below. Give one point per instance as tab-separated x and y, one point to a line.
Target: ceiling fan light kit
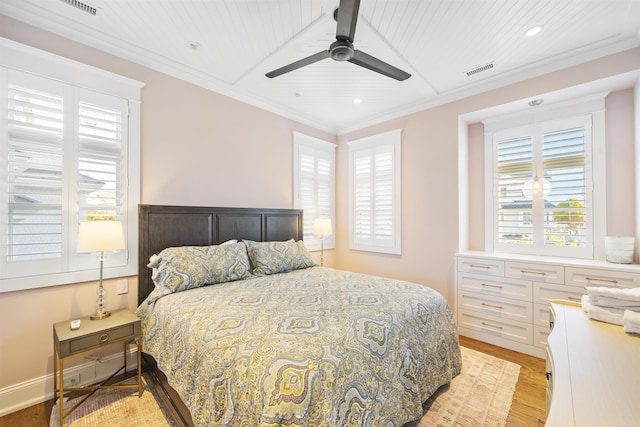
342	49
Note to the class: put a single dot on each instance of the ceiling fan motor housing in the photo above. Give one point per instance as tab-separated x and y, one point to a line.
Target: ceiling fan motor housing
341	50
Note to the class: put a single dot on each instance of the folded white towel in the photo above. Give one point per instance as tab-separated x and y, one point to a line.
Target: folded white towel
631	318
614	302
603	314
631	329
586	303
626	294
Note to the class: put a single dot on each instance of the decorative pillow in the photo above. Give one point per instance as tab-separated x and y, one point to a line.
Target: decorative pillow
187	267
278	257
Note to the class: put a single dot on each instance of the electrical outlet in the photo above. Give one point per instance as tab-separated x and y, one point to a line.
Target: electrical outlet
72	380
123	286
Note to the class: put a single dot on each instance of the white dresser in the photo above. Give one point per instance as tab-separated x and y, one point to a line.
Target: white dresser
593	372
504	299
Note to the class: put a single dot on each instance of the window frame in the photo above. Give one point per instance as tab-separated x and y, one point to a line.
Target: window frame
20	58
592	106
391	141
317	149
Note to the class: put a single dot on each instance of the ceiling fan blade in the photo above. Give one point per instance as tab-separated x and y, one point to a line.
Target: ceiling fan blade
347	18
299	64
374	64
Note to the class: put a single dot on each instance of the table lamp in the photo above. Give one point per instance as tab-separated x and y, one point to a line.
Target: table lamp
322	227
100	237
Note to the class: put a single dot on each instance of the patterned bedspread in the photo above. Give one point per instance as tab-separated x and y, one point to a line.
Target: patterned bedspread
312	347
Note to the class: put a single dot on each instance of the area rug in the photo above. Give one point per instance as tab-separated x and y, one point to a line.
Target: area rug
480	396
117	407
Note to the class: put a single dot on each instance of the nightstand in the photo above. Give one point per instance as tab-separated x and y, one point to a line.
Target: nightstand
121	327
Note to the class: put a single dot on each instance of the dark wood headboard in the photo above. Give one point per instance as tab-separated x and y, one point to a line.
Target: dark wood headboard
161	227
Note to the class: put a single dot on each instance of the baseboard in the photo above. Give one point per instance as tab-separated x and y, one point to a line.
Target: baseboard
501	342
38	390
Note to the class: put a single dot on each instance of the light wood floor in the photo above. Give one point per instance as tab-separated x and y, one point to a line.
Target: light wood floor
528	408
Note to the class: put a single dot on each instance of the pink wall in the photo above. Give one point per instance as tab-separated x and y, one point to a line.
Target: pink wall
221	154
202	148
430	175
198	148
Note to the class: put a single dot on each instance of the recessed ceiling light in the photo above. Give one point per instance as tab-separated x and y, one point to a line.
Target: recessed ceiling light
357	101
533	31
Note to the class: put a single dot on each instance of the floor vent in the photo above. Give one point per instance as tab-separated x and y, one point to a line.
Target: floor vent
480	69
82	6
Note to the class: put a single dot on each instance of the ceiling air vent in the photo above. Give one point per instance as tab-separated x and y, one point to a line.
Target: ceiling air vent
82	6
480	69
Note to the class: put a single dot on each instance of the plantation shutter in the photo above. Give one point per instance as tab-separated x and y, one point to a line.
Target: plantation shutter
514	158
364	198
63	161
315	188
542	187
314	183
375	193
566	150
99	162
34	170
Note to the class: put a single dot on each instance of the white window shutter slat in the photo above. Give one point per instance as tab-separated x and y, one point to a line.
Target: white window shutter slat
542	188
375	193
34	174
314	185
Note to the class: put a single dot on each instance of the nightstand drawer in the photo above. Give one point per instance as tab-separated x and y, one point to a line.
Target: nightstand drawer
100	338
120	326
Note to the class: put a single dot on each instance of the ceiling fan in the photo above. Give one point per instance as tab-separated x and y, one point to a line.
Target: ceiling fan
342	49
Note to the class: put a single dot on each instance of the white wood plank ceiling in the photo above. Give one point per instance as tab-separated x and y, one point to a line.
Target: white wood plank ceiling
228	46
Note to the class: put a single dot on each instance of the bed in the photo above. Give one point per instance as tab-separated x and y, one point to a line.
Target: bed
277	340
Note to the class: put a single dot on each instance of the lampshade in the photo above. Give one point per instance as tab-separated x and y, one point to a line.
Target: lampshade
322	227
100	236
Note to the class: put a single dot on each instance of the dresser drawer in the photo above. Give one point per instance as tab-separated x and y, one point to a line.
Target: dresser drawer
546	273
484	267
545	292
511	330
540	335
542	314
496	307
594	277
494	286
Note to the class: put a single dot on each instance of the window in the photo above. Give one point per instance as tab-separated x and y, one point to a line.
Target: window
374	193
542	195
314	185
68	152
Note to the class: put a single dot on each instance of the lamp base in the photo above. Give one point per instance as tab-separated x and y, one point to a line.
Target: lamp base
98	316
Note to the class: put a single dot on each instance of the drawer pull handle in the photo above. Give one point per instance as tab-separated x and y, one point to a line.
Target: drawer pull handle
491	286
484	304
590	279
542	273
486	267
491	326
570	298
104	338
